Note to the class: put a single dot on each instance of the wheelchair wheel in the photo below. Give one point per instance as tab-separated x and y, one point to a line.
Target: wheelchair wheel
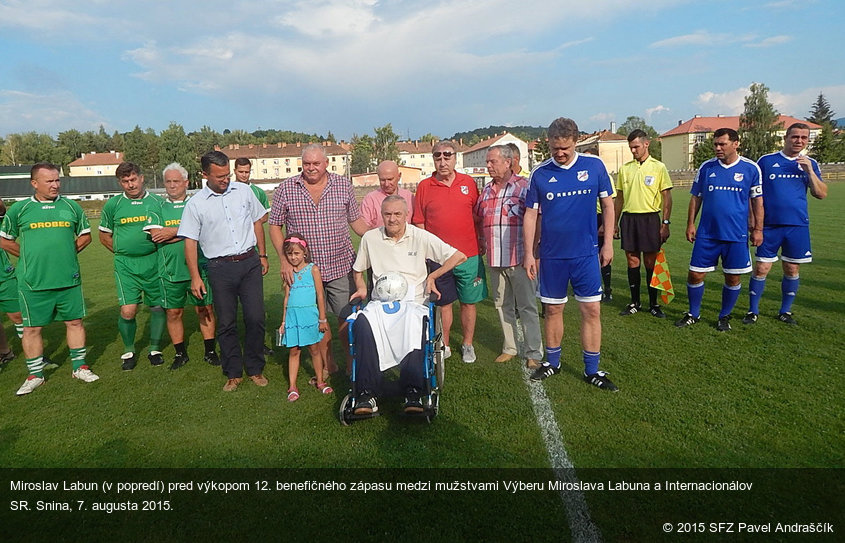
439	367
343	405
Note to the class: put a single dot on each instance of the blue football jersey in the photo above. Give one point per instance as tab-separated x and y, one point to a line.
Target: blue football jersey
725	191
566	196
785	184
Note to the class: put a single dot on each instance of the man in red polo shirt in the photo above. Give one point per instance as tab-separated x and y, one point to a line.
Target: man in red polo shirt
444	206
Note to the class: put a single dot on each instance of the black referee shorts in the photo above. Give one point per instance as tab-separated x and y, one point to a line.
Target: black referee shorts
640	232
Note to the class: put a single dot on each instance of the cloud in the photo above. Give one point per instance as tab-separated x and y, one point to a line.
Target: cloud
795	104
701	38
49	112
771	41
727	103
46	16
656	109
603	117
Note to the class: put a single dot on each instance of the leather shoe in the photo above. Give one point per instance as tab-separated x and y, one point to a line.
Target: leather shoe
232	384
532	364
259	380
504	357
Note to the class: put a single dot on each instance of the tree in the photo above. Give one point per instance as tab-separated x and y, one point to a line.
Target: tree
362	154
702	152
142	148
205	140
825	147
28	148
428	138
71	144
541	151
821	112
758	124
655	147
175	146
384	145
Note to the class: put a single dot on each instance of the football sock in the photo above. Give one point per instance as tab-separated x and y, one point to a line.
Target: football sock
652	292
127	328
591	362
553	356
19	330
755	292
634	281
158	322
729	297
77	357
695	293
788	288
36	366
209	345
180	348
605	275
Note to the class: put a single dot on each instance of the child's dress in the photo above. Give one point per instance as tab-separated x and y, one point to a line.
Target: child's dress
302	325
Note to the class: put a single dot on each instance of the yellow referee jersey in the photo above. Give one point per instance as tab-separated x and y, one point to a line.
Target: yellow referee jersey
642	184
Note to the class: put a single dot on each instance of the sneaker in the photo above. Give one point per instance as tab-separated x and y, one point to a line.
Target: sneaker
447	352
179	360
413	404
600	380
85	374
268	351
787	318
366	405
155	358
212	358
724	324
544	371
6	357
129	361
686	320
259	380
232	384
630	309
656	312
607	296
749	318
32	382
468	354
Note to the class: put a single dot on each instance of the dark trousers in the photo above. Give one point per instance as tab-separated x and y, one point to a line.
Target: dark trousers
230	282
367	373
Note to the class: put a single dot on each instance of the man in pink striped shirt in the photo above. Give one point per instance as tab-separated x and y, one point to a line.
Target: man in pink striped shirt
501	207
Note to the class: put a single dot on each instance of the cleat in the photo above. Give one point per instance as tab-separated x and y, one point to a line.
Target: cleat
155	358
468	354
85	374
179	360
545	371
656	312
32	382
630	309
686	320
787	318
212	358
749	318
129	361
607	297
413	405
600	380
366	405
447	352
724	324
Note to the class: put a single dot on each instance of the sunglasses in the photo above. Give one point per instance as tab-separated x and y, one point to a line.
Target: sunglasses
445	154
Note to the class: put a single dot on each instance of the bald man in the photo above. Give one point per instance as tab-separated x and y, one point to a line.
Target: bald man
389	178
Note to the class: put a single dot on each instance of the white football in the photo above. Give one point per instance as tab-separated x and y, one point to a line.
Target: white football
390	287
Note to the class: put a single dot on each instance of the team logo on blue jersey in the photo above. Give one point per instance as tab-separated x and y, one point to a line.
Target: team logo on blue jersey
649	180
738	177
464	189
583	175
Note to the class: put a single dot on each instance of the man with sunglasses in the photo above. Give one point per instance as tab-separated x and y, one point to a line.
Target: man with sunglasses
444	205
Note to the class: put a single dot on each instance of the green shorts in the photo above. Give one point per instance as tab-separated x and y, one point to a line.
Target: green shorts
175	295
41	307
471	280
9	302
137	276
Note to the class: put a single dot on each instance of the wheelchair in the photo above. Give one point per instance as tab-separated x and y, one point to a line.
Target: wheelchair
433	370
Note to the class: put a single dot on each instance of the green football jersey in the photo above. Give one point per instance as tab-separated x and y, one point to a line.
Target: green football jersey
7	269
262	197
125	219
46	232
172	255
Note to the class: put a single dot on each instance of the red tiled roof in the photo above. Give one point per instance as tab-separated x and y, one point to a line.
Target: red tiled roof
711	124
277	150
99	159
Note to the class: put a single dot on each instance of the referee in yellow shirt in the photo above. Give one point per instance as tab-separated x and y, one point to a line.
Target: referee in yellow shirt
644	201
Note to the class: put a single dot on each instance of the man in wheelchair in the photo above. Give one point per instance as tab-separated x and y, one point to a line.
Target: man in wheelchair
388	331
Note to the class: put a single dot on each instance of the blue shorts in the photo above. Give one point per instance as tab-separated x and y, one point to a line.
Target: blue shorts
736	258
556	273
793	242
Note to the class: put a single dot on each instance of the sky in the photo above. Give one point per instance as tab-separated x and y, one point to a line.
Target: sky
438	66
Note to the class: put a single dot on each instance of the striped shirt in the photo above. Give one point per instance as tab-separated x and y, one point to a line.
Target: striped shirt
325	224
502	212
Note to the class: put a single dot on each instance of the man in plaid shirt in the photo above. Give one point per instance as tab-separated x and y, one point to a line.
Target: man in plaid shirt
501	207
320	206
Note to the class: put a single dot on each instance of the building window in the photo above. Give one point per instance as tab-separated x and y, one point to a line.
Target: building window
287	170
264	170
287	162
334	168
276	161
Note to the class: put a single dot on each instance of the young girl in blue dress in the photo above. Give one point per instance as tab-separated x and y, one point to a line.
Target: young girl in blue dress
304	313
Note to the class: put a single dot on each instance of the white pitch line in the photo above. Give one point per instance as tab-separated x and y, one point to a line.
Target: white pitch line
581	525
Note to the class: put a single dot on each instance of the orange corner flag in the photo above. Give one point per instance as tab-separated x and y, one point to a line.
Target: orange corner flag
661	279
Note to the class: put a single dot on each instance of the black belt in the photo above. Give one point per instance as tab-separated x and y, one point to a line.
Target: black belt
234	258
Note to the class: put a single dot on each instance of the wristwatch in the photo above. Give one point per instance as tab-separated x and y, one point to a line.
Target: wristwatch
667	221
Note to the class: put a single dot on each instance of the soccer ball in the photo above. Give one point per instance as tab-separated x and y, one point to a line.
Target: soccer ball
390	287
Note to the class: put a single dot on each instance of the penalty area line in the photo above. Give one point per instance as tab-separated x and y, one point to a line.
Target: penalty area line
581	526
